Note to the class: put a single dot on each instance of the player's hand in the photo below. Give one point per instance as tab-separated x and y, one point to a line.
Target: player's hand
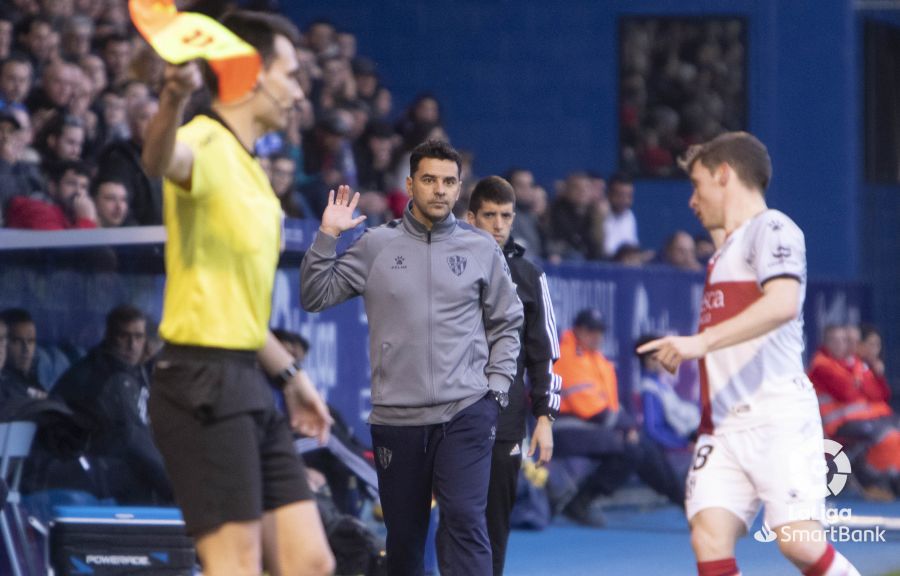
542	440
309	414
671	351
338	215
183	80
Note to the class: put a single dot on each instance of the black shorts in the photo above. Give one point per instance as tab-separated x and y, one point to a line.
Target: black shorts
228	452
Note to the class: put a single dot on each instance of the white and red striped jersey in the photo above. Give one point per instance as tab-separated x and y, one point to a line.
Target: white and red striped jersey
750	383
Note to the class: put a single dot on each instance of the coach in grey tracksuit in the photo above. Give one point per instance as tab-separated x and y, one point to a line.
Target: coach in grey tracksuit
444	320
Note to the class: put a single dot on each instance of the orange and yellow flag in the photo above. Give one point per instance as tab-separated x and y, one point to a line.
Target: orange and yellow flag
179	37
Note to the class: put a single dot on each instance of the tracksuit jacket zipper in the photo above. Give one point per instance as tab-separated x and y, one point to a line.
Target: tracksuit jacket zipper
431	389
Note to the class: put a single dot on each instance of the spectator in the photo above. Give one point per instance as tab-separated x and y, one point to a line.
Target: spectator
36	34
329	161
374	153
121	161
111	200
669	420
113	116
679	251
55	92
116	51
704	248
108	389
67	206
383	104
629	255
346	43
20	377
93	67
16	77
424	111
17	178
366	77
526	227
77	34
869	351
620	225
593	424
282	171
320	36
337	85
6	35
61	140
576	221
850	416
5	392
308	72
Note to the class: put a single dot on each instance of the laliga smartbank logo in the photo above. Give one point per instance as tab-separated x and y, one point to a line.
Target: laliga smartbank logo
832	518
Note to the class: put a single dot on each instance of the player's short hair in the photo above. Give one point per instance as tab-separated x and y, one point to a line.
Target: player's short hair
259	30
435	149
746	155
491	189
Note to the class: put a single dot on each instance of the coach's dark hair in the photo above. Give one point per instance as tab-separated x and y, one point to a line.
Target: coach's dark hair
118	317
746	155
491	189
259	30
436	149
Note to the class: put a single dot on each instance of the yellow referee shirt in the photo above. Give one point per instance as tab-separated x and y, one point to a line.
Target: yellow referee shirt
223	244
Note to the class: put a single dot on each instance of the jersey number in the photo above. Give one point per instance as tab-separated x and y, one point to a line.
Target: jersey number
702	456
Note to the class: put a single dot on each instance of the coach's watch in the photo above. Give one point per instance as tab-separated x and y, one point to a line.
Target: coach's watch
502	398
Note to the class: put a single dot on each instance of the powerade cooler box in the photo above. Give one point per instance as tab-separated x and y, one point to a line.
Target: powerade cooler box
112	540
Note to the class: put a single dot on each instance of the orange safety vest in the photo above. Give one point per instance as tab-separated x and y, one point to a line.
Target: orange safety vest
841	399
589	384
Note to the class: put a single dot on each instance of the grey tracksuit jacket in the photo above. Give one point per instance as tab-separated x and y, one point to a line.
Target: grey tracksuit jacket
443	314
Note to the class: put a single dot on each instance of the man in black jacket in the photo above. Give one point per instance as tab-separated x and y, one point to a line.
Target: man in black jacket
108	390
491	208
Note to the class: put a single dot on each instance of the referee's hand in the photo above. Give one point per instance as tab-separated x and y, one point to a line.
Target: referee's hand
309	414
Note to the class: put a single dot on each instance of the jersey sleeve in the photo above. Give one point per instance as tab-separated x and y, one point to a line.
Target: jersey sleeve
777	249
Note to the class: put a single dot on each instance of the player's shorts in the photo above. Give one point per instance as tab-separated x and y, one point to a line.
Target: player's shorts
780	465
228	452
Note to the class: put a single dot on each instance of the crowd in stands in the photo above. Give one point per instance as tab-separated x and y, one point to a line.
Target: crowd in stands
78	87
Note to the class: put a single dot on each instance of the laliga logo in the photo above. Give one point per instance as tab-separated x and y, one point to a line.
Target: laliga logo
834	486
842	468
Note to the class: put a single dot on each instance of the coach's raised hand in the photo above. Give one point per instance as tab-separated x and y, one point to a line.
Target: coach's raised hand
338	215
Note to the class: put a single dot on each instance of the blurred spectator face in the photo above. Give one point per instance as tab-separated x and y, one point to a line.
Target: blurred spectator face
629	255
112	204
598	188
4	341
366	85
140	117
704	248
621	197
540	201
495	219
680	252
334	73
15	81
382	150
320	36
6	34
114	110
94	68
57	8
309	70
10	148
579	191
27	7
587	338
76	38
836	342
426	111
148	67
135	92
67	146
523	183
870	348
59	83
384	103
82	94
21	343
40	41
68	188
129	342
117	56
25	133
283	172
346	43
